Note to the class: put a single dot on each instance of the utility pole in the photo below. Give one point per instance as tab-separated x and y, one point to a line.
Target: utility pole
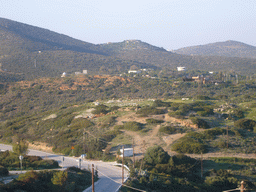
242	186
123	167
84	140
202	165
227	137
133	153
20	157
92	177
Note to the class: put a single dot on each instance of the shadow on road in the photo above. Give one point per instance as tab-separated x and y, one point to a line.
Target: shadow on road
50	156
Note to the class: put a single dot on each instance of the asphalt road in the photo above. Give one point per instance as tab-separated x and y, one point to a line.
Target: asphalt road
110	175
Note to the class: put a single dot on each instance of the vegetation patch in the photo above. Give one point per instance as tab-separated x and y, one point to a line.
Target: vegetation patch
148	110
201	123
154	121
70	180
132	126
170	130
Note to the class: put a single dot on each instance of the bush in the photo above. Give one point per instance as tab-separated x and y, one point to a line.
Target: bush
154	121
189	145
203	97
79	123
200	122
145	111
206	112
156	155
219	183
159	103
170	130
132	126
181	159
114	108
3	171
100	109
238	113
245	124
211	133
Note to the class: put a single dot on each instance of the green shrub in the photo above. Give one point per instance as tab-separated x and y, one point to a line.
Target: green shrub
156	155
189	146
118	127
110	120
80	123
94	155
238	113
159	103
200	122
195	135
100	109
245	124
154	121
203	97
212	133
206	112
114	108
170	130
132	126
3	171
108	136
219	183
221	144
145	111
181	159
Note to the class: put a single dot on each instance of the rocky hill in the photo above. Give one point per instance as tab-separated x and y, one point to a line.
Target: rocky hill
227	49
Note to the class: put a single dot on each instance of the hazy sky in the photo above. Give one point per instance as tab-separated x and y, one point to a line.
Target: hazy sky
170	24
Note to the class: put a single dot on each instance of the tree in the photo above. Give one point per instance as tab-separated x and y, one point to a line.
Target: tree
20	148
60	178
156	155
245	124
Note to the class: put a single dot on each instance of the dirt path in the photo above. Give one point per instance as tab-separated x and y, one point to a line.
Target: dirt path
218	154
142	142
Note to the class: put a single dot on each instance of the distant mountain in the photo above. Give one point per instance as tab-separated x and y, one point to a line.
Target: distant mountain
227	49
33	51
29	52
130	45
32	38
142	52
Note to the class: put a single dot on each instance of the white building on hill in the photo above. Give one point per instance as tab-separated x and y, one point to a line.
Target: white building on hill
181	68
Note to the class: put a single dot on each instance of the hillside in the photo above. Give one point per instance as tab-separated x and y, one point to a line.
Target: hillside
56	111
28	52
33	51
30	38
139	51
227	49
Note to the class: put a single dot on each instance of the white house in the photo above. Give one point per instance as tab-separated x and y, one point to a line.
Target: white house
181	68
134	71
64	74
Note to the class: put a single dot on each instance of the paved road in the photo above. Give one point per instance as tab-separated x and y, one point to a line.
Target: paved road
108	173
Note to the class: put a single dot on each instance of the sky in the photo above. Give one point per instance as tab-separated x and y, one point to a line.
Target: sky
170	24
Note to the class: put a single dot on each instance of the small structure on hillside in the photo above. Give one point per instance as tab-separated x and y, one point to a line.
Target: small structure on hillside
64	74
181	68
134	71
128	152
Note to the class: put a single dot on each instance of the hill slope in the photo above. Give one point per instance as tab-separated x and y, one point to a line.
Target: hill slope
34	52
227	49
29	52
